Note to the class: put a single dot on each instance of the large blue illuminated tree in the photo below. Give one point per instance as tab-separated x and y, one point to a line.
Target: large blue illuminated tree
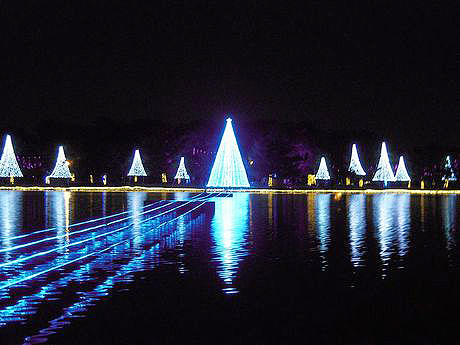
228	169
9	166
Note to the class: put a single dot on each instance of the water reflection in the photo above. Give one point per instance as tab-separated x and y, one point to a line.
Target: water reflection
323	224
58	214
449	203
392	222
357	225
135	202
229	233
403	221
10	216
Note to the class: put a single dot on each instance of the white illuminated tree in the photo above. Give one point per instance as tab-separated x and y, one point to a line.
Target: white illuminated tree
61	169
9	166
137	169
401	172
323	173
449	171
228	169
384	172
181	171
355	165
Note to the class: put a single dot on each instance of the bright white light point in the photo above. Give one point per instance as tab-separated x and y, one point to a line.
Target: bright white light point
8	164
401	172
181	171
323	173
137	169
384	171
61	169
228	169
355	164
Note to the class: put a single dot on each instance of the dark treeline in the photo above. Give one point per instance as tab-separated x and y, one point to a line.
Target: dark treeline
287	150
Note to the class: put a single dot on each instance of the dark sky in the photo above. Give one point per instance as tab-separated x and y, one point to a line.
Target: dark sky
386	68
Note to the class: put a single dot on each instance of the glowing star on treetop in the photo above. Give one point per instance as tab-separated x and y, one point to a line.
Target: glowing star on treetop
355	165
228	169
9	166
137	169
323	173
401	172
61	169
384	172
181	171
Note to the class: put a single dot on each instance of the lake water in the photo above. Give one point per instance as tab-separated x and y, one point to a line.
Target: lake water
175	268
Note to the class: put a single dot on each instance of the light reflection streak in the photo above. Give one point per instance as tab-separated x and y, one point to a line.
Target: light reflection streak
384	209
357	225
11	217
323	224
449	205
403	219
229	233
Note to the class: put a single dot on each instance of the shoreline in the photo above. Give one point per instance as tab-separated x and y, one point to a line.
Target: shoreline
249	190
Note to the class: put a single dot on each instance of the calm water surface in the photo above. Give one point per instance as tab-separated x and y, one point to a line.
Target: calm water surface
240	269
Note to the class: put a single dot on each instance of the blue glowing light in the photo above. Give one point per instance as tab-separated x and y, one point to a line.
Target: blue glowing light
357	225
228	169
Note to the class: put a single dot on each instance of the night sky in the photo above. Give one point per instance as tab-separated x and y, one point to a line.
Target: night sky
389	69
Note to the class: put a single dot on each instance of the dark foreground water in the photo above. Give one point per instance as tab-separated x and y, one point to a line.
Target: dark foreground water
246	269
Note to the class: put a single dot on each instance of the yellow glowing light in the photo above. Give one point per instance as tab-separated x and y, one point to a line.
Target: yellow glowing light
270	180
12	179
311	179
338	196
347	181
68	163
361	183
72	178
164	178
91	179
422	185
135	178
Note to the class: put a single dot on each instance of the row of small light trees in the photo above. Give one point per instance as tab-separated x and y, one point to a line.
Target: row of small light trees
384	172
9	167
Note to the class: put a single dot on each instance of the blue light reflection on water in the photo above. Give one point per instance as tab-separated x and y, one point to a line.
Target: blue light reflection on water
357	224
323	224
134	252
229	229
449	203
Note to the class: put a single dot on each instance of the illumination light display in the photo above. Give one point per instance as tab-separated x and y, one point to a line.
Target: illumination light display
181	171
401	172
61	169
323	173
448	171
355	165
137	169
9	166
228	169
384	172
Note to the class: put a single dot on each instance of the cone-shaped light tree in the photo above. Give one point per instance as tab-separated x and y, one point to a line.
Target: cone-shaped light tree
9	166
448	171
61	169
228	169
401	172
384	172
323	173
137	168
181	171
355	165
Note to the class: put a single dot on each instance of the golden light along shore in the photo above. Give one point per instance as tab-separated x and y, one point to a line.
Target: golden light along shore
254	190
